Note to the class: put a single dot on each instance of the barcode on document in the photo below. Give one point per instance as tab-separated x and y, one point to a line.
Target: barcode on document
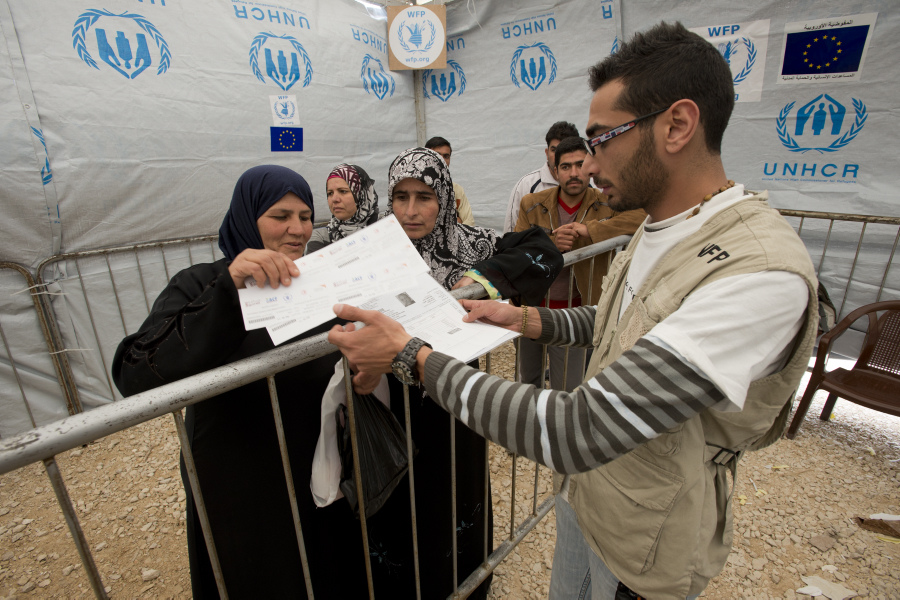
283	325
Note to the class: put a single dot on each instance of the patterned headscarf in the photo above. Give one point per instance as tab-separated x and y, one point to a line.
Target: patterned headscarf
255	191
363	188
451	248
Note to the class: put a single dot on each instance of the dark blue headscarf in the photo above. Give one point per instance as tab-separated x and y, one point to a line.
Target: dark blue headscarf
255	191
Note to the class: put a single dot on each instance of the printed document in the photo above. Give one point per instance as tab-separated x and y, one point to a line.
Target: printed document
376	268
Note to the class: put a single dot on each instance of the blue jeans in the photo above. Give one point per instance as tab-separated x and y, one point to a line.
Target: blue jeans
578	573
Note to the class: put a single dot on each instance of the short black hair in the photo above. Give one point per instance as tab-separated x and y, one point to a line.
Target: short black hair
437	142
560	131
570	144
665	64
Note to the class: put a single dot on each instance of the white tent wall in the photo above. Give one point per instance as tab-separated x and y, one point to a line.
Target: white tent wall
150	154
496	123
103	155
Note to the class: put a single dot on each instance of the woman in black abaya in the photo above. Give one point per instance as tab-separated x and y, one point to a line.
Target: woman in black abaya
518	265
196	325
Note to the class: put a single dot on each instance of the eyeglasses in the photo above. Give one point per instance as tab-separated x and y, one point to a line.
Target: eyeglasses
591	144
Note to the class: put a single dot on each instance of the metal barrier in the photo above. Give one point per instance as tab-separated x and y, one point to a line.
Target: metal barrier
79	288
44	443
863	272
27	300
125	282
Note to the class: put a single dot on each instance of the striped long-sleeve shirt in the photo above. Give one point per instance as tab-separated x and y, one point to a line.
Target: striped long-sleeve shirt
649	390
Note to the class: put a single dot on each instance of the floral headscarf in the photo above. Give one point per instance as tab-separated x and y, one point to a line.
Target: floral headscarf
451	248
363	188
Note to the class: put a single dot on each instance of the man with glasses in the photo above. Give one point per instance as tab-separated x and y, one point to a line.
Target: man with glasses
575	215
700	338
539	179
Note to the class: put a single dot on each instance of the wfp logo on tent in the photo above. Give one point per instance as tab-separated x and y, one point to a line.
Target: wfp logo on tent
446	84
821	119
378	80
121	42
278	51
285	109
731	51
421	40
531	63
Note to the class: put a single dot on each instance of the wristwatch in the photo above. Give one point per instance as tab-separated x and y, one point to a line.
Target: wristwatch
404	364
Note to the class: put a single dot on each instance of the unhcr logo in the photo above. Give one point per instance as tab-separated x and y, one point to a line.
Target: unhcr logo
817	121
282	54
531	63
445	84
121	42
375	79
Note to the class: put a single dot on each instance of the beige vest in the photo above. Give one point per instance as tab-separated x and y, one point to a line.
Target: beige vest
660	516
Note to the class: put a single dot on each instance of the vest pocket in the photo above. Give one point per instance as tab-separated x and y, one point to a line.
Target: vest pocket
638	497
638	325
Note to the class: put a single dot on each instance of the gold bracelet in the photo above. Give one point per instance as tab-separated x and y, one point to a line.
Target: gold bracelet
524	318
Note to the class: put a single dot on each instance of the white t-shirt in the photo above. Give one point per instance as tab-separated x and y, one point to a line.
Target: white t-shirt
536	181
764	311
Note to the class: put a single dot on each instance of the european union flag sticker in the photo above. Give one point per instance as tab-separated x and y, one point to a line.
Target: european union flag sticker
287	139
825	51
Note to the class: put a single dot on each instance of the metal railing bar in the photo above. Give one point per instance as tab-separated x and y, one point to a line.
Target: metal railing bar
162	251
888	267
112	280
799	227
65	434
537	475
512	503
496	557
116	249
412	491
60	363
65	504
833	216
488	501
188	455
289	480
137	260
852	271
190	255
825	247
590	295
15	370
112	394
453	541
357	475
566	351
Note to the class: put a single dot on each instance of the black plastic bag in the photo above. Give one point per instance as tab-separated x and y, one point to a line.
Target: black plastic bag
382	452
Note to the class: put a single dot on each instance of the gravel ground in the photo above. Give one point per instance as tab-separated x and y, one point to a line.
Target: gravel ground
793	515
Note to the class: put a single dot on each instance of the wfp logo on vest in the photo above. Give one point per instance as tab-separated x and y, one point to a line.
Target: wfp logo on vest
445	85
121	42
531	63
377	79
731	51
820	124
278	51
